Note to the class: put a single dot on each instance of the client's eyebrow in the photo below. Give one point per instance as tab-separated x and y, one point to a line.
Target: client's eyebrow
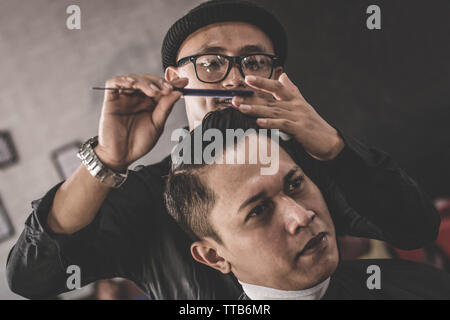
262	194
252	48
252	199
290	174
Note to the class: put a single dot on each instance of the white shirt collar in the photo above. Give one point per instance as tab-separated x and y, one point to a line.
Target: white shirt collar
256	292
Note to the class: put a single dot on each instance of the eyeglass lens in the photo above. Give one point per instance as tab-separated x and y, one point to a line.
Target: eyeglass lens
212	68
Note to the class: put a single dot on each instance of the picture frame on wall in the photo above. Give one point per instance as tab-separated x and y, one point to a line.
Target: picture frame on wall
65	159
8	153
6	228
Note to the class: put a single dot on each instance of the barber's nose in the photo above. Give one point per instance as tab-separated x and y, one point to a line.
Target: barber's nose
295	215
234	78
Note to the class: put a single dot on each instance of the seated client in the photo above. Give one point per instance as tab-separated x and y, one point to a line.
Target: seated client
277	232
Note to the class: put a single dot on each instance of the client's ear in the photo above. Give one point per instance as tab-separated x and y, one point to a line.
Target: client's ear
204	253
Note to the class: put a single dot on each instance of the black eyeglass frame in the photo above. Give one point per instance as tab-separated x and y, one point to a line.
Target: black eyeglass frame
232	60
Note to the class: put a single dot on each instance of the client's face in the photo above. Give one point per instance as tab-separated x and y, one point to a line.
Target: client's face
276	229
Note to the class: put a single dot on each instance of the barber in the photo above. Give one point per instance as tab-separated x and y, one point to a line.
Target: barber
111	221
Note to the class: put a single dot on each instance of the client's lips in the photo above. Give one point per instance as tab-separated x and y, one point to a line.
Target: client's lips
316	243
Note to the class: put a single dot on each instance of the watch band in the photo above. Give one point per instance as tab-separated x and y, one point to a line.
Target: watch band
97	168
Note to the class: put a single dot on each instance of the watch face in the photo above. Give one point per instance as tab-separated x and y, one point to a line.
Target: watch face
93	141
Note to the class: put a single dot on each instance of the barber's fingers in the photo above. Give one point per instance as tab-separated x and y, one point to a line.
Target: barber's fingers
274	87
166	103
278	111
285	125
122	83
148	84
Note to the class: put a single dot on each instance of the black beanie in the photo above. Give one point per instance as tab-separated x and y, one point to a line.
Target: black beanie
220	11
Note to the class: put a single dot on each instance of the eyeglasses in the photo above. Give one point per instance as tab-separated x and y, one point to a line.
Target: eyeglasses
214	68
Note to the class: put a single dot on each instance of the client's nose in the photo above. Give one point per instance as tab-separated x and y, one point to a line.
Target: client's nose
295	215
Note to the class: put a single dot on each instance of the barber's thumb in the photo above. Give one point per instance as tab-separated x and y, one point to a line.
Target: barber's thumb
164	107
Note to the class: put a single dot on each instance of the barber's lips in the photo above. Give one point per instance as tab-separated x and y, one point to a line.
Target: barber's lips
316	244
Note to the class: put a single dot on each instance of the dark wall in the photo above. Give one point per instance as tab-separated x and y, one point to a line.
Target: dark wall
388	87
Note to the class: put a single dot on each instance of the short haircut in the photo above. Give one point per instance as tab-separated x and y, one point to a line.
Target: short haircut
188	199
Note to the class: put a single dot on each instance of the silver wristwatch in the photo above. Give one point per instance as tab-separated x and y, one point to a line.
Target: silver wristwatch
96	167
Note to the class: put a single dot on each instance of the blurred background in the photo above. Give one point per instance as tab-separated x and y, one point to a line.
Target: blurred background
390	88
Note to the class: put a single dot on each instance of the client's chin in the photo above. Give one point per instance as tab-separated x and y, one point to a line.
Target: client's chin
321	261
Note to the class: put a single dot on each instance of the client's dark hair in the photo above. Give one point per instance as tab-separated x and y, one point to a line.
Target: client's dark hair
188	200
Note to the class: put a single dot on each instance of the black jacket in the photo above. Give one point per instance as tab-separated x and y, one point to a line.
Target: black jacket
399	280
134	237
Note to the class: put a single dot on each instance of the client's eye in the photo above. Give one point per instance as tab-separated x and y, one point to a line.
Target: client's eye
258	210
295	184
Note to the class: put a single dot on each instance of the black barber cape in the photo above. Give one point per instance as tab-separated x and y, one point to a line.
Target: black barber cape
134	237
397	280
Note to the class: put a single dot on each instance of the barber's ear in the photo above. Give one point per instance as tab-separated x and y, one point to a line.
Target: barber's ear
277	72
171	73
203	252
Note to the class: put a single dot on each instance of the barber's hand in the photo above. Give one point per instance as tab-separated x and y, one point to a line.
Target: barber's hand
132	122
287	110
